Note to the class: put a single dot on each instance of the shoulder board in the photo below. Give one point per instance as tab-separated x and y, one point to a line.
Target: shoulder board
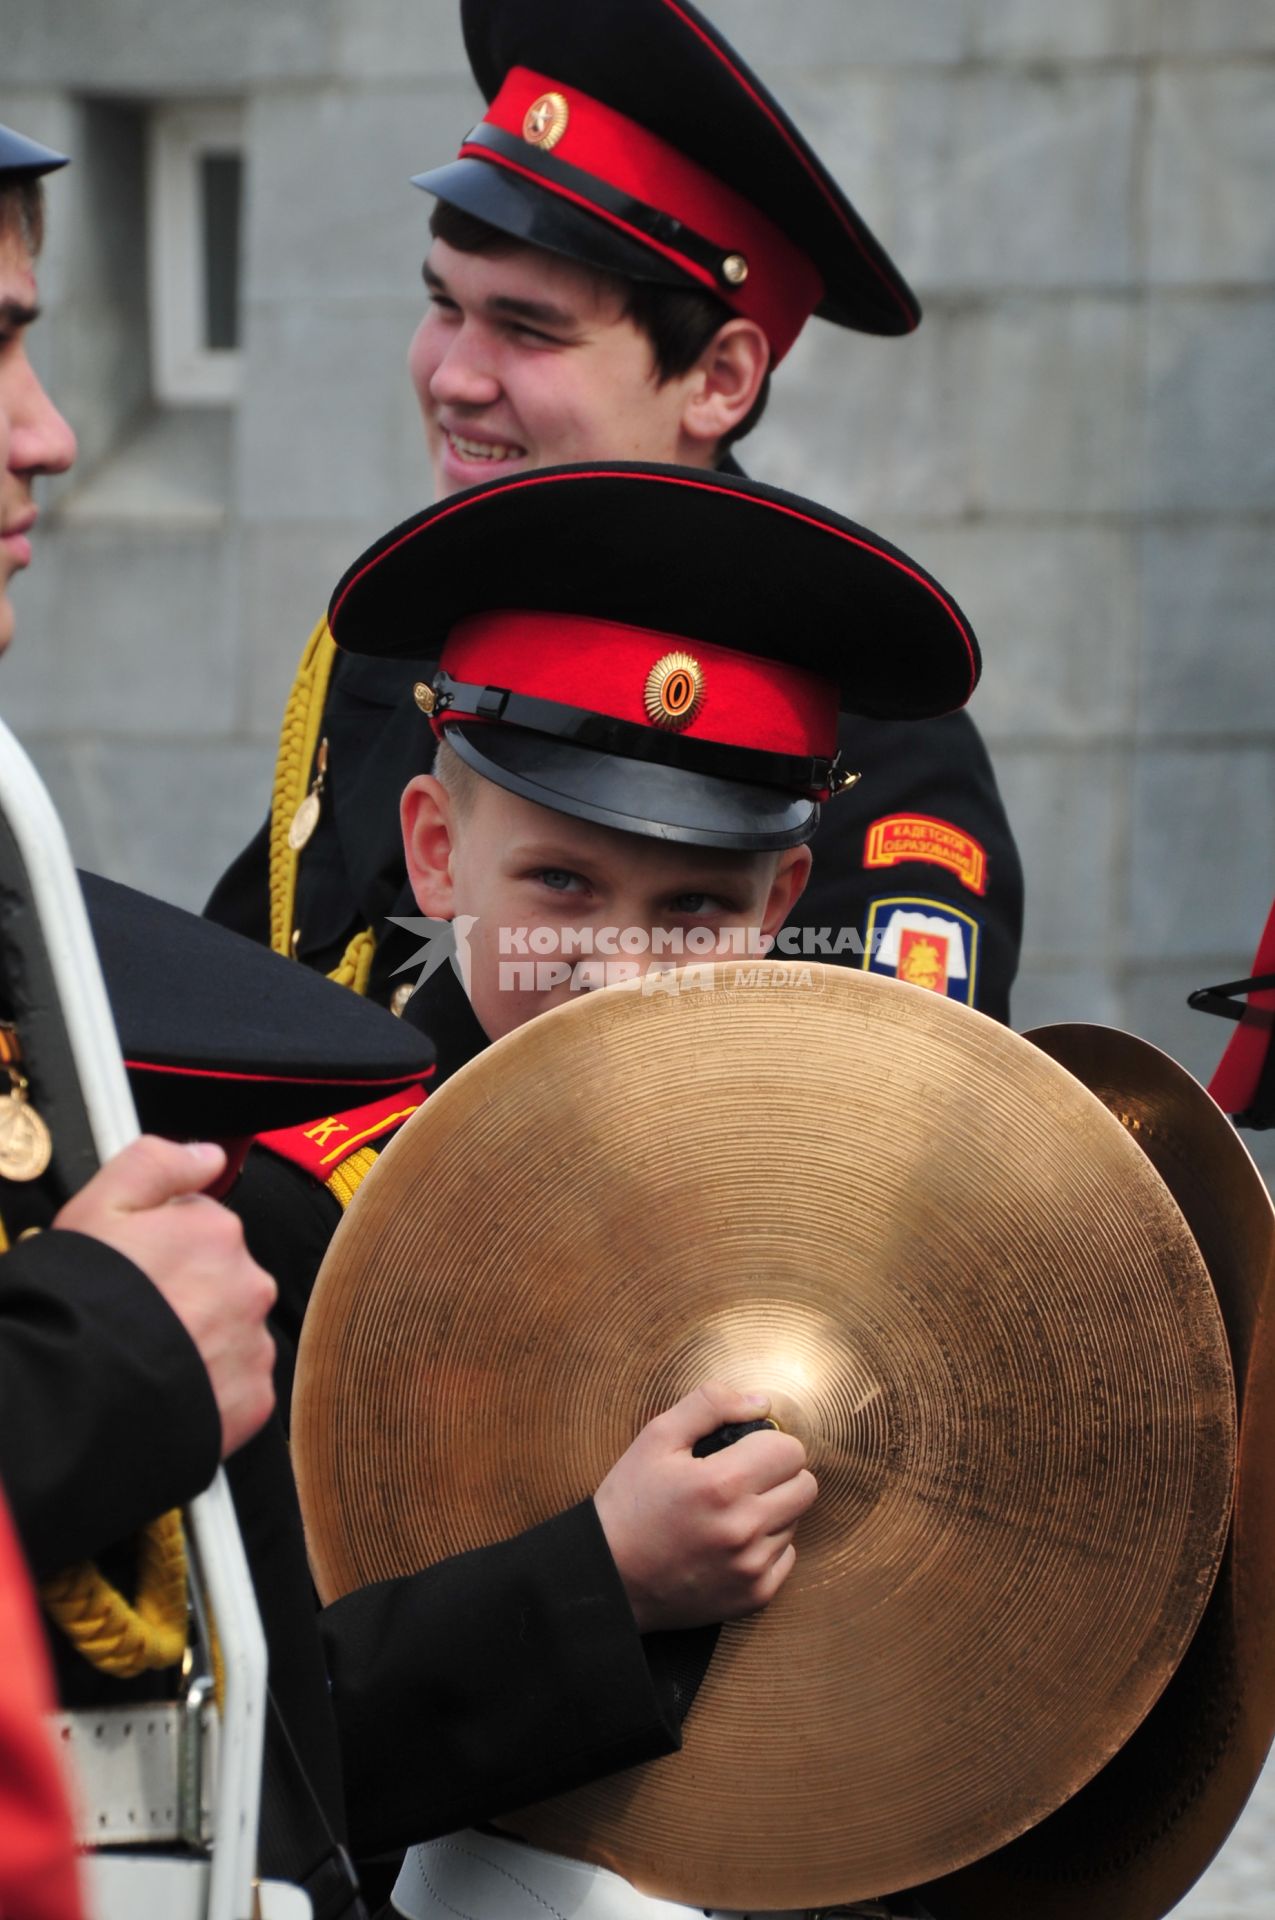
319	1146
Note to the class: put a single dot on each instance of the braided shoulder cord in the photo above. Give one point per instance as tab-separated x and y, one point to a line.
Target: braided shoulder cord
114	1636
355	964
298	740
350	1175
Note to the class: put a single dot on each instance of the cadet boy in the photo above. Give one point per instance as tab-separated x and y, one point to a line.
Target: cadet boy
628	244
638	725
85	1334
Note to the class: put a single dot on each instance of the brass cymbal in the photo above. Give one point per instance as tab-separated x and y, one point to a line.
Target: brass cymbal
968	1291
1131	1843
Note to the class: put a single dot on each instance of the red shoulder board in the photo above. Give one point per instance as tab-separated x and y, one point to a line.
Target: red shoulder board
319	1146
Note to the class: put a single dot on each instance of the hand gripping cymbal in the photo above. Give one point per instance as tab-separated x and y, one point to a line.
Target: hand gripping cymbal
966	1289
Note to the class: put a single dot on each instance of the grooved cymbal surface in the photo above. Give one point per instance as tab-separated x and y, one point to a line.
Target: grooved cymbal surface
1131	1843
968	1292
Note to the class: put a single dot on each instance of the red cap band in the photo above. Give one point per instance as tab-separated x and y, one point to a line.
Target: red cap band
782	286
603	666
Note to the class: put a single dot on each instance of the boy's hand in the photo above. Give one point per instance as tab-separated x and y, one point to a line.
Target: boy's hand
710	1539
147	1204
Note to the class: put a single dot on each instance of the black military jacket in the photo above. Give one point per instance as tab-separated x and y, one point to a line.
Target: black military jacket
107	1417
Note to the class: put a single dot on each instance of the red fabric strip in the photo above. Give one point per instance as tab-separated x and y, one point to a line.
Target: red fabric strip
1235	1080
319	1146
39	1877
354	1081
603	667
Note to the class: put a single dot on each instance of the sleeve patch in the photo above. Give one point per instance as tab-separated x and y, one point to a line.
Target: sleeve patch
917	836
928	943
319	1146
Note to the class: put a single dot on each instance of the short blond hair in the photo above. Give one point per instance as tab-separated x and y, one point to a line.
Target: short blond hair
462	782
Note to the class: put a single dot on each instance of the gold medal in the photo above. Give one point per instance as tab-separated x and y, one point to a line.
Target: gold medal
26	1145
304	821
306	817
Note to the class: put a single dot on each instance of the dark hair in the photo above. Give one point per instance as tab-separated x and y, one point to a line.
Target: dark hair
22	212
679	322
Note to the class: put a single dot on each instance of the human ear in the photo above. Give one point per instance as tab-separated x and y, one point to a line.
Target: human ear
428	822
792	870
724	382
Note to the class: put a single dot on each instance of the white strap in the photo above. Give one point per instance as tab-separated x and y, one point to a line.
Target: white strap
475	1876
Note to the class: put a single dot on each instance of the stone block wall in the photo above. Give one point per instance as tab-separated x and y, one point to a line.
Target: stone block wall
1077	441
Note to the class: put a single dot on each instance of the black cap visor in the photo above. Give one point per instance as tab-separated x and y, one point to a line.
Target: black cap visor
649	798
23	159
529	215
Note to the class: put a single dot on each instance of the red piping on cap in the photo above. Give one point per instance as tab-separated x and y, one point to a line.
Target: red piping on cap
283	1079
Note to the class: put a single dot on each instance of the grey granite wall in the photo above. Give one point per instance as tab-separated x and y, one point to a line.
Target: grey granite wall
1080	440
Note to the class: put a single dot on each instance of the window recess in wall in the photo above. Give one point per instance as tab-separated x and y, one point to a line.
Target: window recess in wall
196	233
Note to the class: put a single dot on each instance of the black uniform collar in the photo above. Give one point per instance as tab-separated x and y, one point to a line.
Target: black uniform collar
441	1009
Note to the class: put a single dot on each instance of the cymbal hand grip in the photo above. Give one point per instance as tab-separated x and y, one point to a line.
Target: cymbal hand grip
727	1436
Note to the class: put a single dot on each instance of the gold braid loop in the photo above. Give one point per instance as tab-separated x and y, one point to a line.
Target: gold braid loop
355	964
298	741
99	1622
351	1174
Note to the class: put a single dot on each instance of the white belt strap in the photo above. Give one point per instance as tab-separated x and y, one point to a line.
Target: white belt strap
478	1876
139	1774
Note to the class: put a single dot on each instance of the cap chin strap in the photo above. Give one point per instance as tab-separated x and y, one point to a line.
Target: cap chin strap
455	700
669	233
